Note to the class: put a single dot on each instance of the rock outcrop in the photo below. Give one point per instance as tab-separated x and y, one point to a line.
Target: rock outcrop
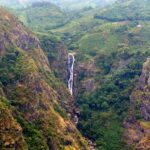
137	126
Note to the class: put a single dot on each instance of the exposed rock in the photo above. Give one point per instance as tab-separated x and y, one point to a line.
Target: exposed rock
137	131
145	110
133	131
84	80
144	144
143	91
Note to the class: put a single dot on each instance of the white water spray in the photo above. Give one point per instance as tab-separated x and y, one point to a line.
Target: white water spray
71	61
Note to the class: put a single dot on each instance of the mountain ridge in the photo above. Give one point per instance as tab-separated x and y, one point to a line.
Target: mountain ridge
74	4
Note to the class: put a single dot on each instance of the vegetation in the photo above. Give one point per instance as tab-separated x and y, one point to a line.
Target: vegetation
42	16
110	44
32	100
108	105
123	11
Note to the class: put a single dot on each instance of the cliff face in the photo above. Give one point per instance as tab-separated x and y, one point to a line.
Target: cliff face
84	77
57	56
143	90
32	117
137	126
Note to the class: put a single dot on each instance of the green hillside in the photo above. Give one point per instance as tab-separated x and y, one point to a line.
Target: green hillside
42	16
126	10
116	51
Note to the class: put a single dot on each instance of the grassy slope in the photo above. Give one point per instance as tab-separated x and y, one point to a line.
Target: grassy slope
85	23
41	17
123	10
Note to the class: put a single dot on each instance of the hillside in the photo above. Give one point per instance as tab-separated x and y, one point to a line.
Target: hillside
42	16
123	10
110	58
110	52
109	65
90	21
32	116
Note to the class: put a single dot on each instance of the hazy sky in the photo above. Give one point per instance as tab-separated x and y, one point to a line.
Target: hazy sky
23	1
61	3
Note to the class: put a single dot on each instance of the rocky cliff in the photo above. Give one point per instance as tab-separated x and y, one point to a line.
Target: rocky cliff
137	125
31	114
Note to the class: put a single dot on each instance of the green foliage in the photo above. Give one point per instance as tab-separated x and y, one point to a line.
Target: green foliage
7	67
92	43
60	110
33	135
13	67
103	111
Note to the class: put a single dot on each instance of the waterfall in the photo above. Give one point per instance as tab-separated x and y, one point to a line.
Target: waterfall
71	61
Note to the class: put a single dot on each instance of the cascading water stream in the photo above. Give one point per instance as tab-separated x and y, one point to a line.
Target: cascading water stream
71	61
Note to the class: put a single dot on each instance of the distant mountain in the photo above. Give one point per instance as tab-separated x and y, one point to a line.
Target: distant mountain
126	10
80	4
50	14
10	3
73	4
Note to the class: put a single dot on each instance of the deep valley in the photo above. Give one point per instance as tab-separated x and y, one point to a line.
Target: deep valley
75	75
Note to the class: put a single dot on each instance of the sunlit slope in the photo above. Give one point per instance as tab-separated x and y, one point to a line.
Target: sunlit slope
110	37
